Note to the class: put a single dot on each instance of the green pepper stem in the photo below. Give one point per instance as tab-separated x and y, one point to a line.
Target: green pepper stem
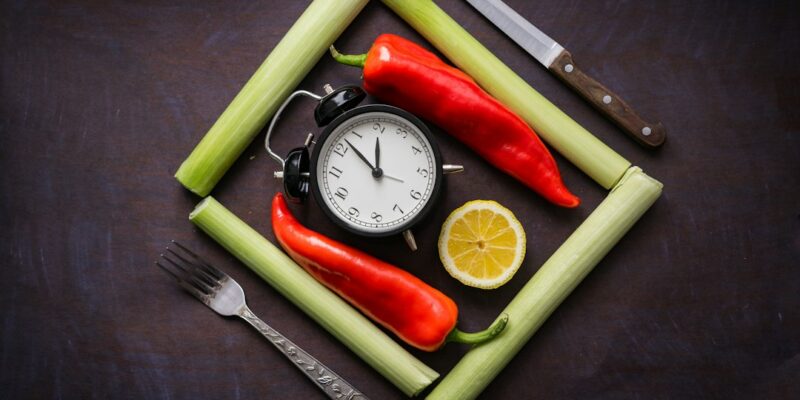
479	337
355	60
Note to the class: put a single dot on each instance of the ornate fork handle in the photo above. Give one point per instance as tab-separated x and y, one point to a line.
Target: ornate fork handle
331	383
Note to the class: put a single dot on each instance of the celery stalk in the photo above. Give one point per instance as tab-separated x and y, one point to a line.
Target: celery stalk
570	139
554	281
294	56
345	323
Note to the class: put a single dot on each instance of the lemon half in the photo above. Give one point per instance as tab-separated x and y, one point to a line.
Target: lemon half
482	244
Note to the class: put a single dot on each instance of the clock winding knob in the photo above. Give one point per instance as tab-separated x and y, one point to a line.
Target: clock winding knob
452	169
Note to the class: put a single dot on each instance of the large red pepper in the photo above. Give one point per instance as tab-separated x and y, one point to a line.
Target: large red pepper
417	313
406	75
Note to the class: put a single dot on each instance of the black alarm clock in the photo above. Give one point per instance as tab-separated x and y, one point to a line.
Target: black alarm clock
375	170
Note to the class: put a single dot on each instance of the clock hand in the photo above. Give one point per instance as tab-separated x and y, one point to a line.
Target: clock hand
361	156
393	178
377	153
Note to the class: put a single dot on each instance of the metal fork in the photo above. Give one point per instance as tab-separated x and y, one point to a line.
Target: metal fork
222	294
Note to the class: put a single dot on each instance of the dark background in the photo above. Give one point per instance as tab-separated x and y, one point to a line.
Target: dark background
101	101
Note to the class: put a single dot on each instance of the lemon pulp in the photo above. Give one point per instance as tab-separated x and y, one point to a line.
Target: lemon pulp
482	244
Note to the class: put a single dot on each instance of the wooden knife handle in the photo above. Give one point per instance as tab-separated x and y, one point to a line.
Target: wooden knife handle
647	134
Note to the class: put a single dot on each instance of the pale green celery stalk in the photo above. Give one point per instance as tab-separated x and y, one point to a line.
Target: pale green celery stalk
570	139
554	281
345	323
294	56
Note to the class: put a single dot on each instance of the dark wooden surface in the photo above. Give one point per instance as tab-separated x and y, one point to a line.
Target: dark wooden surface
101	101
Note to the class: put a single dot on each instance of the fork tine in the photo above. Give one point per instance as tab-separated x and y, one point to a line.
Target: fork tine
191	253
195	269
200	284
198	269
200	295
185	280
169	271
188	275
181	268
219	275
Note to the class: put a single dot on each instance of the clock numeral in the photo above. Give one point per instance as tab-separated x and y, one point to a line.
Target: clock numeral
401	131
415	194
421	171
341	193
397	208
357	134
340	149
353	211
377	217
415	150
378	127
336	172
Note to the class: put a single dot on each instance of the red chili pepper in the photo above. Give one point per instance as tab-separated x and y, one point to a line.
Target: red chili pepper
417	313
406	75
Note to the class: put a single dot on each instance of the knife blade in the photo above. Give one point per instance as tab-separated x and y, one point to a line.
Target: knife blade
559	61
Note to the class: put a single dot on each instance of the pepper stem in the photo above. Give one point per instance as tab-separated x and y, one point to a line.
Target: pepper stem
355	60
479	337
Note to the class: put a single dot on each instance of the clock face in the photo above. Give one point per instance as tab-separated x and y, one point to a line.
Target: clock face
376	171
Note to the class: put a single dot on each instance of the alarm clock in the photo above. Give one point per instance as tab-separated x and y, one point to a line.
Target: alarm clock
375	169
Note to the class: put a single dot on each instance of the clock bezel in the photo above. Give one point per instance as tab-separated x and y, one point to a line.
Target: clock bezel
421	127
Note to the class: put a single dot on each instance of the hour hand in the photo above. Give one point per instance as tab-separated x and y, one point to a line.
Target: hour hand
361	156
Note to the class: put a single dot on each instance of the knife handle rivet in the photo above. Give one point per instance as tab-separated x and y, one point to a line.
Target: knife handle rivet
607	99
568	68
646	131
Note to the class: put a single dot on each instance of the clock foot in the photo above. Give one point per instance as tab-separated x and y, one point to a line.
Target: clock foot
410	241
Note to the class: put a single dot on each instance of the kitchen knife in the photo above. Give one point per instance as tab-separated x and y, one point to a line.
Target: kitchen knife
559	62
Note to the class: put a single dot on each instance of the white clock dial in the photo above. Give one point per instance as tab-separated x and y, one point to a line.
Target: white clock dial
376	191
